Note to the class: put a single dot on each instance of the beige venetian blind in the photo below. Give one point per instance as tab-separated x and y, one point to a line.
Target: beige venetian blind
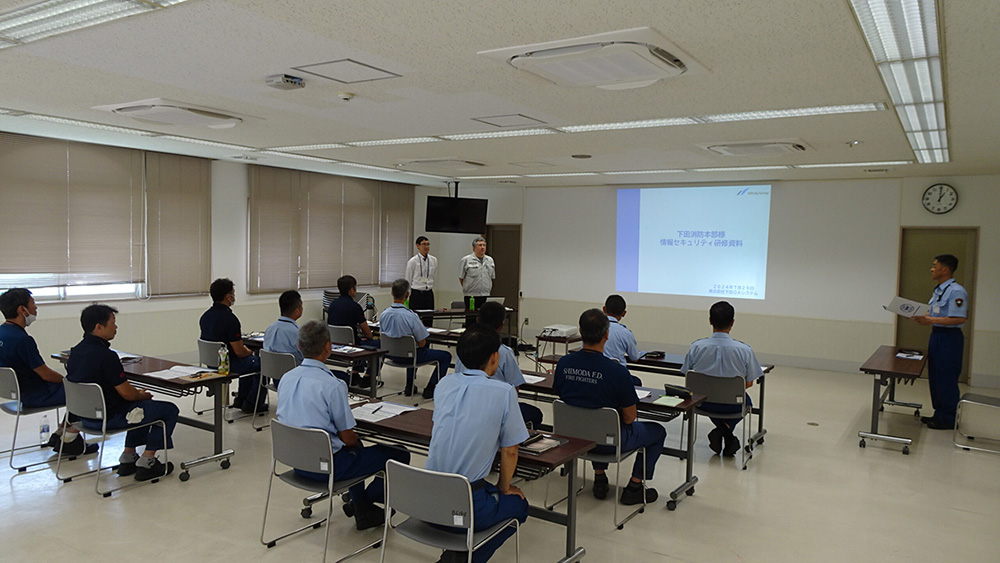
275	228
361	223
179	219
321	258
72	213
396	230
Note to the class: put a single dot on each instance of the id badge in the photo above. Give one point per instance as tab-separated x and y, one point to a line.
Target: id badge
936	309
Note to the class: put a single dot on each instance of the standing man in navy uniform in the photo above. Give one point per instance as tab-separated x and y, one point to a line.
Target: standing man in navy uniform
949	309
420	272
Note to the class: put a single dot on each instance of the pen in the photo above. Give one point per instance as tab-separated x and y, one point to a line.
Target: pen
376	409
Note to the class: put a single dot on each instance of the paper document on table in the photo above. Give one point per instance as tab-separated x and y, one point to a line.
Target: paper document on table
906	308
187	370
457	330
123	356
347	349
669	401
436	330
374	412
909	354
373	324
164	374
642	393
533	378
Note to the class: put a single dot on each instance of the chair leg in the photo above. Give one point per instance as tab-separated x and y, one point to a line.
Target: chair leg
100	466
253	418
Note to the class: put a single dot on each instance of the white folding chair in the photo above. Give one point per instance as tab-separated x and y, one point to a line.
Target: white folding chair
86	400
273	365
603	427
723	391
403	354
990	442
10	388
307	449
431	499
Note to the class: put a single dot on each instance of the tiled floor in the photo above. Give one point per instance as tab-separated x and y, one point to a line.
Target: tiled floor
810	494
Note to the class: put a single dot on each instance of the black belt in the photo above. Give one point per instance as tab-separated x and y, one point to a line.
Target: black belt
480	484
944	328
422	290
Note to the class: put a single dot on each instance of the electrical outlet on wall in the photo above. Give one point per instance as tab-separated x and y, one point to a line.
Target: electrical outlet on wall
525	321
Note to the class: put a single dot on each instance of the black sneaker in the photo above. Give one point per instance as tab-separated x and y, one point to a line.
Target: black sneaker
601	487
633	494
348	509
453	557
732	445
410	390
715	440
936	424
53	442
428	393
248	408
926	419
126	469
78	446
370	518
155	471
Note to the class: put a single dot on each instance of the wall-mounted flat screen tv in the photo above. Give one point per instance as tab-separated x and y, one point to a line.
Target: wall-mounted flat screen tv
455	215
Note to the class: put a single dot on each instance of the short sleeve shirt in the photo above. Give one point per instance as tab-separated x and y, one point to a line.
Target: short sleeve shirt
282	336
477	275
508	371
950	300
19	351
310	396
397	321
93	361
219	324
420	272
721	356
588	379
474	416
621	342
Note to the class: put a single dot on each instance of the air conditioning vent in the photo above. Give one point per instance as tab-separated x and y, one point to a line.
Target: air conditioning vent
445	164
169	112
758	148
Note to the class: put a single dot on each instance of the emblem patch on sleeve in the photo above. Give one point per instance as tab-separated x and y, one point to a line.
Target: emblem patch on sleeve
959	301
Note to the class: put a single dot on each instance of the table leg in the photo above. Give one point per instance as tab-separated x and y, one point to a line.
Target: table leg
374	366
687	486
878	399
573	553
219	454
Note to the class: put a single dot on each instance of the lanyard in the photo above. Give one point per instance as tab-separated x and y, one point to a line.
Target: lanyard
941	295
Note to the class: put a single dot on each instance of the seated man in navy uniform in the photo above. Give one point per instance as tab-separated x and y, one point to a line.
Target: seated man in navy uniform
587	378
492	316
476	416
40	386
345	311
93	361
721	356
282	336
219	324
397	321
621	342
309	396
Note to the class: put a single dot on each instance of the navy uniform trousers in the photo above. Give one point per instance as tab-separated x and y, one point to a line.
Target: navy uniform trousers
944	365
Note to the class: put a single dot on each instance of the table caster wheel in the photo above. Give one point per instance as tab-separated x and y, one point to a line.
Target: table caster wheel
306	512
225	464
184	476
906	450
689	492
861	444
671	505
916	412
881	409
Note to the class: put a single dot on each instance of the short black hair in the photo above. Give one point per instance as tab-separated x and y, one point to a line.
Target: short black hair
421	239
289	301
346	283
721	315
492	314
220	288
949	261
12	300
400	288
96	314
594	325
476	345
615	305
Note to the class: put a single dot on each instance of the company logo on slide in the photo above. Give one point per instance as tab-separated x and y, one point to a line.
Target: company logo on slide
748	192
907	308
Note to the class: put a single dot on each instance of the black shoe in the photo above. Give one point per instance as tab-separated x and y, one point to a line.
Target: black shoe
248	408
453	557
153	472
732	445
601	487
937	424
126	469
53	442
715	440
237	404
633	494
371	517
428	393
364	382
78	446
410	390
926	419
348	509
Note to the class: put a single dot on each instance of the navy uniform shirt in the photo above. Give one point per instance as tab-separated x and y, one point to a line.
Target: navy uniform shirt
589	379
949	300
93	361
219	324
19	351
345	311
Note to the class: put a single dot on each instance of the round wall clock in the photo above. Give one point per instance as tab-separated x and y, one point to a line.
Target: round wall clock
940	198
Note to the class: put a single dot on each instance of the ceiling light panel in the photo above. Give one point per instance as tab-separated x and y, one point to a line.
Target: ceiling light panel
499	134
738	169
922	117
641	124
634	172
206	143
500	177
311	147
799	112
53	17
924	140
853	164
384	142
297	156
898	30
368	167
933	156
89	125
913	82
561	174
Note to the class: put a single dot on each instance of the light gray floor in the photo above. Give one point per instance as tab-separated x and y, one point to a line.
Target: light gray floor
810	494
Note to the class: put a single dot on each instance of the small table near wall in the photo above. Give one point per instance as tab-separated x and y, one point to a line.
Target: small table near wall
889	369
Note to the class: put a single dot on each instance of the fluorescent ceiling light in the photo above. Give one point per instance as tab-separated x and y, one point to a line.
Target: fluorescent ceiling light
383	142
64	121
850	164
898	30
922	117
296	156
738	168
499	134
924	140
799	112
54	17
207	143
631	172
629	124
913	82
311	147
560	174
368	167
498	177
933	156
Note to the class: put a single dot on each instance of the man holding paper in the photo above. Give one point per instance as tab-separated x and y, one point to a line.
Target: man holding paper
949	309
310	396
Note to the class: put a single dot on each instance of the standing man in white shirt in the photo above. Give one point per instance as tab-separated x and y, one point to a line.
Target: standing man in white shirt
420	271
476	274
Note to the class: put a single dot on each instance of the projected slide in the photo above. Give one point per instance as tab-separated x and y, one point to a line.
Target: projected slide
706	241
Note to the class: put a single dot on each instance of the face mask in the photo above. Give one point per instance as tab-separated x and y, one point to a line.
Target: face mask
29	319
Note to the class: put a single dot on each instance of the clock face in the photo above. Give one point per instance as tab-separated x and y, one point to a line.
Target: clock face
940	198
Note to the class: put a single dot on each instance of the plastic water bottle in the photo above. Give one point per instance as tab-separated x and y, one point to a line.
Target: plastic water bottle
43	430
223	360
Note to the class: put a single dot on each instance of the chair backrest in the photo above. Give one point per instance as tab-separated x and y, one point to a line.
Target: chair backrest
308	449
458	304
402	347
208	353
429	496
85	399
722	390
341	334
275	364
9	389
601	426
